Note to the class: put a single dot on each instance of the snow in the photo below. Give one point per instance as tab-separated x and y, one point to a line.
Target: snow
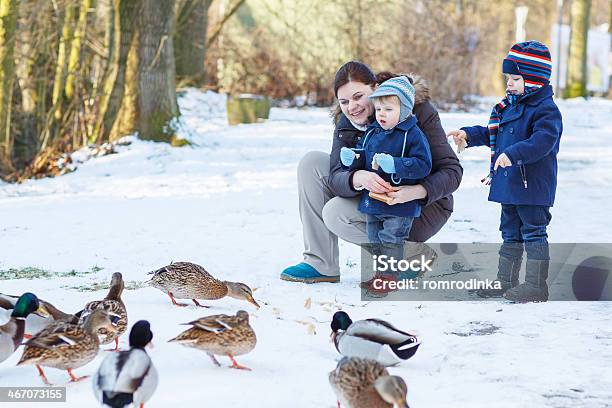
229	203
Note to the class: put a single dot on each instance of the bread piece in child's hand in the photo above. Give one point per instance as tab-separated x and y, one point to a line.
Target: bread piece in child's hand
461	145
381	197
374	162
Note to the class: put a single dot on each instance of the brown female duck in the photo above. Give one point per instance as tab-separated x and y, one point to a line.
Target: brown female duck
221	335
66	346
186	280
364	383
115	308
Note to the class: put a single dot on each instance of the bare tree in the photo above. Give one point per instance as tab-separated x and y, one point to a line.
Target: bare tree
577	62
157	105
114	84
8	19
190	41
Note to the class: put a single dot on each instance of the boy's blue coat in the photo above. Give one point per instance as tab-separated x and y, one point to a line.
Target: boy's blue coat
411	165
529	133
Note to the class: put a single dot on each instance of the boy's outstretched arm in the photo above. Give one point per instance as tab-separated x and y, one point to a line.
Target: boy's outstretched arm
476	135
418	163
547	128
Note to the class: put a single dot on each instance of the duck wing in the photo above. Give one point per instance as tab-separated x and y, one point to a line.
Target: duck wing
114	308
378	331
123	372
181	268
56	335
7	302
215	323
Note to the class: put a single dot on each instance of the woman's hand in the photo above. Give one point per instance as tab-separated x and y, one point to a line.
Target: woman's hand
405	194
371	182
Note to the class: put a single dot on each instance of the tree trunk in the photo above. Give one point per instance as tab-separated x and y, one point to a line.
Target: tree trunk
126	12
75	48
26	141
8	19
60	68
577	62
157	106
190	42
127	121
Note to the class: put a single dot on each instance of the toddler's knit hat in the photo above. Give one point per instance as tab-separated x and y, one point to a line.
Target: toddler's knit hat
531	60
401	87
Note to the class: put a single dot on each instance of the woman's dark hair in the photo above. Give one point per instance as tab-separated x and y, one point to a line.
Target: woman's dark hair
354	71
385	75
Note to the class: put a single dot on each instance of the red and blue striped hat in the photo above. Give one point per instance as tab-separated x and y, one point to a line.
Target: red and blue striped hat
531	60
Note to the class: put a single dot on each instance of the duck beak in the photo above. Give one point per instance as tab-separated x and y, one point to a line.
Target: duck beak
253	302
42	311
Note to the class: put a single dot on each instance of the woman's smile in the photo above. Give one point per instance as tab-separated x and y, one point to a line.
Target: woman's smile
354	102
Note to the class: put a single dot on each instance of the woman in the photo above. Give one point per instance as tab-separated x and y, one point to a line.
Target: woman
329	194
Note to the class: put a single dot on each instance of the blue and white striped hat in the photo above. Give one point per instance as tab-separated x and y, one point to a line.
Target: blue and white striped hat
531	60
401	87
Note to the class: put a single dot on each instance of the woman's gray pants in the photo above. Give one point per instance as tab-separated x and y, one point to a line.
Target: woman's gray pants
324	216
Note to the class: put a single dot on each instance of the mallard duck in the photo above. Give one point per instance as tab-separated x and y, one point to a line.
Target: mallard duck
221	335
41	318
364	383
115	308
127	377
11	333
372	338
186	280
66	346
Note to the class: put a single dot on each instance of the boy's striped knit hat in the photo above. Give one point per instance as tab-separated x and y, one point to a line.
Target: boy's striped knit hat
401	87
531	60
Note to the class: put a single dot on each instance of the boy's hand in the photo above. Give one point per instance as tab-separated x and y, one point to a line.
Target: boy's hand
459	136
502	161
386	162
347	156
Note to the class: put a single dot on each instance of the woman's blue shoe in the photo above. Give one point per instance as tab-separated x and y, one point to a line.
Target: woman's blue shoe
305	273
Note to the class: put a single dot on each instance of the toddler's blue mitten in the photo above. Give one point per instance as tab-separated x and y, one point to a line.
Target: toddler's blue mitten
347	156
386	162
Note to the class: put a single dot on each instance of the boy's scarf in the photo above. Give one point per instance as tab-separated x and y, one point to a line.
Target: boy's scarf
493	126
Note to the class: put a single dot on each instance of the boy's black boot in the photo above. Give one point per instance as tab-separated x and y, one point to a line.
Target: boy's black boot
507	274
535	288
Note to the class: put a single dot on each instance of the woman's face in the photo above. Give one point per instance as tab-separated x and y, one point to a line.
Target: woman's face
354	102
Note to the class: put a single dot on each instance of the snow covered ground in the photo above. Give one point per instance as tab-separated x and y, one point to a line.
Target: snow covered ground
229	203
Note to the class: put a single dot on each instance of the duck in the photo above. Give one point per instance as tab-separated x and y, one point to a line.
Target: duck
12	332
127	377
115	308
364	383
66	346
46	314
221	334
186	280
372	338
